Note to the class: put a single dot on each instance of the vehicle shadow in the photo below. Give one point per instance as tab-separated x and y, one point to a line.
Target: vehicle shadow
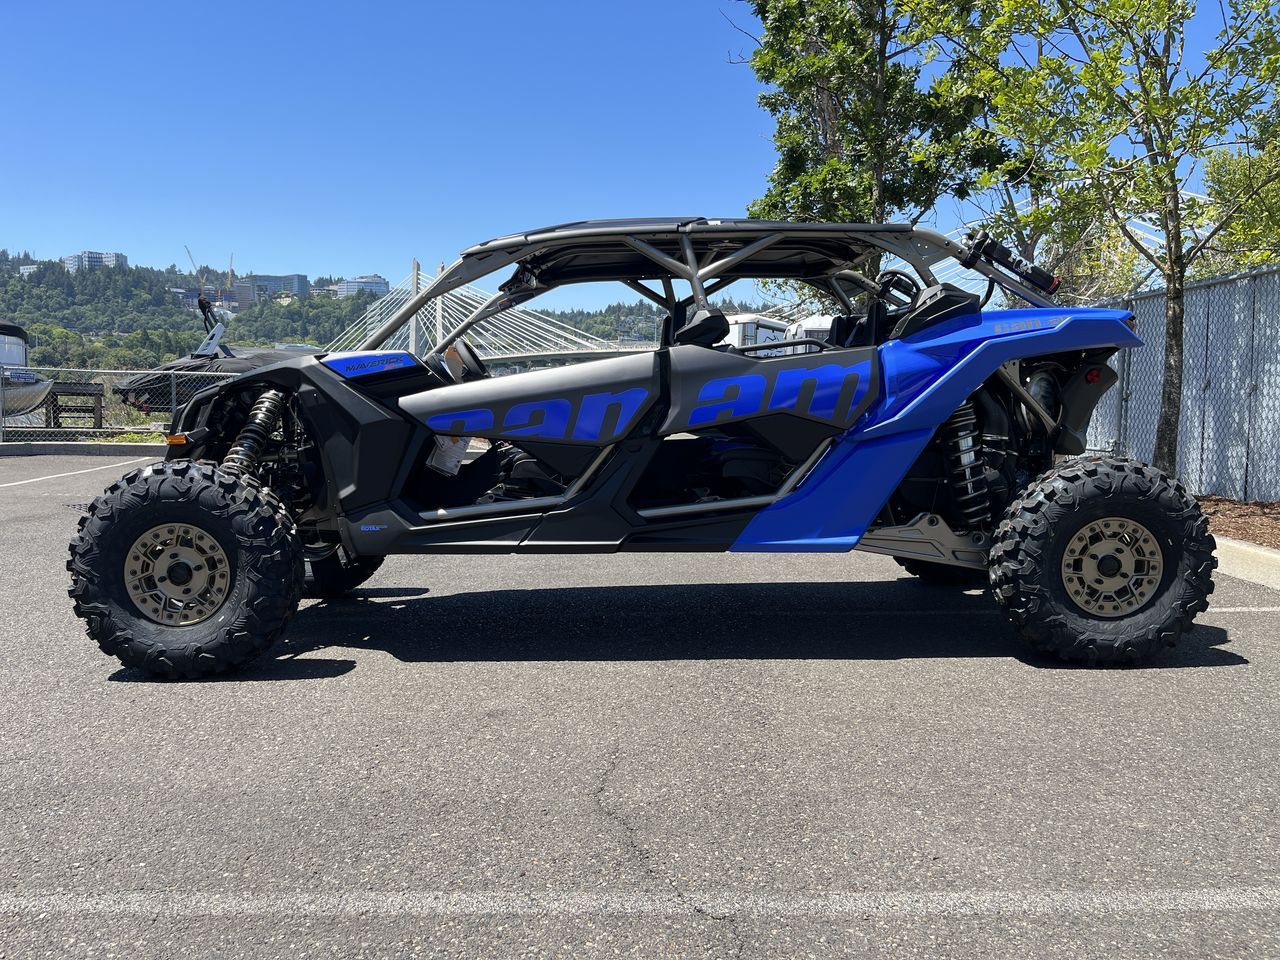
894	620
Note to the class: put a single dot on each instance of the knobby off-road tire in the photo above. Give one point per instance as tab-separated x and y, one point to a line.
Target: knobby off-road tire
1103	560
943	574
208	530
337	573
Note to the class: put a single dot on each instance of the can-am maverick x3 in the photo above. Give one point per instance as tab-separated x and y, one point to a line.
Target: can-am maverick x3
922	426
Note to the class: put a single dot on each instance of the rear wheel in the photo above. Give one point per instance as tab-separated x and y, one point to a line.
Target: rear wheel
943	574
1103	560
185	570
335	573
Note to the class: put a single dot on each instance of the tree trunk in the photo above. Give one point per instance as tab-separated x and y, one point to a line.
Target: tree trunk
1166	451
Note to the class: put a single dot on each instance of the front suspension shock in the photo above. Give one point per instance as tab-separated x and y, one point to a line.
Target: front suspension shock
242	458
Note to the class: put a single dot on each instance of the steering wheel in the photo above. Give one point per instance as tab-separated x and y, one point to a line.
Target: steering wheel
473	367
900	282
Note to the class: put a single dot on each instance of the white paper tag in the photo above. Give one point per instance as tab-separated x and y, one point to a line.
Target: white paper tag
448	454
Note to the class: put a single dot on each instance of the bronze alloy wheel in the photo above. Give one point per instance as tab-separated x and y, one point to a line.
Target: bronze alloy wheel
177	574
1111	567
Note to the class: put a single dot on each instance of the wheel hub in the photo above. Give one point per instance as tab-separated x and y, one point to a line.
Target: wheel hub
177	574
1112	567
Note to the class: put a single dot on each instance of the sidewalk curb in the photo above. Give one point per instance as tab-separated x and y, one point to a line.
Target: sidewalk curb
1248	561
67	448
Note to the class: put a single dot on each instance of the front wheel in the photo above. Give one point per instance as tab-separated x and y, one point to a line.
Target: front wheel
1103	560
185	570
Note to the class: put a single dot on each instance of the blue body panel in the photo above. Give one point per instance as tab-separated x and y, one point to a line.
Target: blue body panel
925	377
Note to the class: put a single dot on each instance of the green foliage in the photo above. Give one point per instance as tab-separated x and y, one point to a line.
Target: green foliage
640	320
859	136
1100	99
127	318
315	320
1251	237
1103	97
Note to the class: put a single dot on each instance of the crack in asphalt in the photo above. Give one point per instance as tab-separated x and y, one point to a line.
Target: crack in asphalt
648	860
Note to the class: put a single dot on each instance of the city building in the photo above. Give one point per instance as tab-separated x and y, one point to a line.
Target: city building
371	282
28	269
254	287
92	258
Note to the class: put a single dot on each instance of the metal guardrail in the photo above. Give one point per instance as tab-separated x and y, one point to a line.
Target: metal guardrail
1229	431
59	403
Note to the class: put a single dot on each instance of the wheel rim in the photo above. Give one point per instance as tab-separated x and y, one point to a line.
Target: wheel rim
1112	567
177	574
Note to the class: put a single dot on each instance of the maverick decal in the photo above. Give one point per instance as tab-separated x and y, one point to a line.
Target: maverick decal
361	364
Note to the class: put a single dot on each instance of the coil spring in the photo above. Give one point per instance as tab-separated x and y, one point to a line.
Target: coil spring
965	466
243	456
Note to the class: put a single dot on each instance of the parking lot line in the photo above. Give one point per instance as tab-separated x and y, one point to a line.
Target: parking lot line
72	473
833	904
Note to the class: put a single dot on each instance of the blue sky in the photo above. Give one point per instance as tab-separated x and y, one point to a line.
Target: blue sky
325	138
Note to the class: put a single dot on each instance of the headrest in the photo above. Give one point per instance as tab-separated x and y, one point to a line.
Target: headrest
704	329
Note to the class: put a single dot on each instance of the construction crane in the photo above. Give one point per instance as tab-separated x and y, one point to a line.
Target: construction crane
199	275
229	295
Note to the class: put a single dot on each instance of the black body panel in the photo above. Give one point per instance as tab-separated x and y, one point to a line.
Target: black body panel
594	403
714	387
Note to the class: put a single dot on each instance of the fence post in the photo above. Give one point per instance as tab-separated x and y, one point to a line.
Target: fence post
1122	413
1	404
173	395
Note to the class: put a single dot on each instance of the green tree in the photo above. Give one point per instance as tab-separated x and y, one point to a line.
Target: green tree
1250	238
861	136
1107	96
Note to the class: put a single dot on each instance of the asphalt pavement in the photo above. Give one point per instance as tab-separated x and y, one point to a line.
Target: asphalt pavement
644	755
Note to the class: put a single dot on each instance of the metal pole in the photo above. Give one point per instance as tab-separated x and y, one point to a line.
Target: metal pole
173	397
413	321
1	404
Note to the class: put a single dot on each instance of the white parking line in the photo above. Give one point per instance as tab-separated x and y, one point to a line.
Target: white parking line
55	476
995	612
833	904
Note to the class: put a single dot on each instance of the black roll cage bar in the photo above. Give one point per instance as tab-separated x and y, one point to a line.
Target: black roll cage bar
919	247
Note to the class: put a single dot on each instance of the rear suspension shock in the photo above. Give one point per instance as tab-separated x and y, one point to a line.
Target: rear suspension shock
242	458
966	468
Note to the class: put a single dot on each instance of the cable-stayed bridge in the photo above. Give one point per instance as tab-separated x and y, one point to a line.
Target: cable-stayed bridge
517	335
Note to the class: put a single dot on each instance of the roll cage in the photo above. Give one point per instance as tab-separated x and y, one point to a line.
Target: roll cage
708	256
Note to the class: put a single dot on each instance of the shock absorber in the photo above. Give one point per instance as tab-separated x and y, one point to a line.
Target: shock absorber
243	456
965	467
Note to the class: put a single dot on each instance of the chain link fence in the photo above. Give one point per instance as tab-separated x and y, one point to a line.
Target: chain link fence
1229	431
54	403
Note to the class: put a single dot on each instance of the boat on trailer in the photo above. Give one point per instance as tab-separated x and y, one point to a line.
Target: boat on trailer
21	388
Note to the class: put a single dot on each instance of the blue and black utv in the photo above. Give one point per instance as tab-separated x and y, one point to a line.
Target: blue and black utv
922	426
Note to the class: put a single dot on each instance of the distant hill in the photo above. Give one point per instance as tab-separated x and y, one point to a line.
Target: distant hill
128	318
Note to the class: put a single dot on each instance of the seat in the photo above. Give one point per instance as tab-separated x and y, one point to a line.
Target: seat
705	329
843	327
933	305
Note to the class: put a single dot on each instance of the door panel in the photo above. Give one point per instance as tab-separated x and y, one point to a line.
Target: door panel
709	387
594	403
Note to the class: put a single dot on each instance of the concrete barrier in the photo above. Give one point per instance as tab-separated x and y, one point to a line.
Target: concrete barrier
67	448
